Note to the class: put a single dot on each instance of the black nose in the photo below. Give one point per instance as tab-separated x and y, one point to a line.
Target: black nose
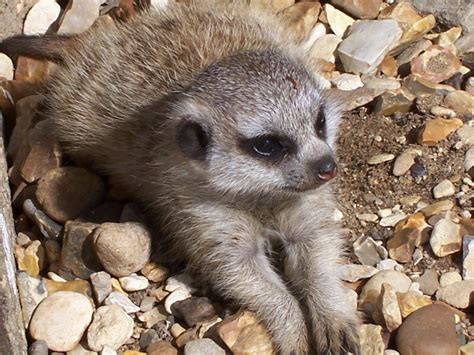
326	168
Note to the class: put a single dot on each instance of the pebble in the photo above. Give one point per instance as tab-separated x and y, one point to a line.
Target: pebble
32	291
355	272
368	251
363	9
468	257
389	264
444	189
428	331
404	162
461	102
161	348
175	296
372	289
152	317
410	301
78	16
339	22
392	102
446	238
180	281
194	310
365	47
80	286
77	254
457	294
121	300
469	162
154	272
393	219
6	67
325	47
47	227
148	337
122	248
81	350
466	134
111	327
243	334
371	341
101	285
66	192
348	82
449	278
40	17
408	234
436	64
429	283
203	346
301	18
133	282
437	208
389	308
442	111
147	303
467	349
54	312
38	347
367	217
30	258
380	158
438	130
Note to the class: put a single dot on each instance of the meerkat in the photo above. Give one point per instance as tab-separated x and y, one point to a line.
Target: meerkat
214	121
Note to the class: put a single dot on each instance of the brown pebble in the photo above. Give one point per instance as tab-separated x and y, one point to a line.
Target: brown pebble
428	331
66	192
161	348
194	310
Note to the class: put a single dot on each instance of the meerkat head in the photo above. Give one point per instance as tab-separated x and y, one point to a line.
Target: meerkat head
258	123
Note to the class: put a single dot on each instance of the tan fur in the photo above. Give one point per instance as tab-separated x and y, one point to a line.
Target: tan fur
119	101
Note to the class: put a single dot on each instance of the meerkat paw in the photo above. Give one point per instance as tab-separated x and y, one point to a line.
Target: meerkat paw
291	340
336	335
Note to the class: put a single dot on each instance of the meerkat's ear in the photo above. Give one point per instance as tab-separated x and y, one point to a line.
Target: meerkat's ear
192	139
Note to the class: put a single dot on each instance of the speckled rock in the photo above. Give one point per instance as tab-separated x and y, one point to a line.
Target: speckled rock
111	327
371	341
122	248
436	64
54	312
428	331
449	278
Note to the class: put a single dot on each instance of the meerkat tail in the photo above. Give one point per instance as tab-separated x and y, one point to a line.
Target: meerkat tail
50	47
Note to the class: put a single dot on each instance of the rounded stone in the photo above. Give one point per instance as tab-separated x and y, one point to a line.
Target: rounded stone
203	346
122	248
372	289
429	330
61	319
64	193
110	327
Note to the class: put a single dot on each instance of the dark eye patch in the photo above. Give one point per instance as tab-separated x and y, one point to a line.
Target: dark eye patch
269	147
320	124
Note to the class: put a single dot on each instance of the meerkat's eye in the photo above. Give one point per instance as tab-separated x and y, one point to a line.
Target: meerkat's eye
267	145
321	123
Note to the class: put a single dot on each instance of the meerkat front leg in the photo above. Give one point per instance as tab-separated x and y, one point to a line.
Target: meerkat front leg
313	247
230	256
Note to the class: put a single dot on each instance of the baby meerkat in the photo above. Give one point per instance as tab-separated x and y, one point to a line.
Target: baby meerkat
212	120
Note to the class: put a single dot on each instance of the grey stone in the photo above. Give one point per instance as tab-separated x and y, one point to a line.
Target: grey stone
123	301
429	283
367	44
449	12
466	133
32	291
148	337
101	285
39	347
203	346
47	227
368	251
468	257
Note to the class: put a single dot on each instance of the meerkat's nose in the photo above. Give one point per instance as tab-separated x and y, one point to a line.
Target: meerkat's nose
326	168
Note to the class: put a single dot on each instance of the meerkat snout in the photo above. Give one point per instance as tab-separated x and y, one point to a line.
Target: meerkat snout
325	168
